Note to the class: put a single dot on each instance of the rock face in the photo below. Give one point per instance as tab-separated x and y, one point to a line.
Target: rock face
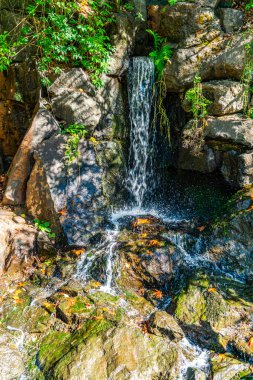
73	197
42	127
231	19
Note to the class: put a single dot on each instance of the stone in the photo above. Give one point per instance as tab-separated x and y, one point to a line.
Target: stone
237	169
231	19
227	97
235	129
42	127
76	100
110	353
219	58
17	243
225	367
207	161
162	324
72	198
184	21
123	38
11	363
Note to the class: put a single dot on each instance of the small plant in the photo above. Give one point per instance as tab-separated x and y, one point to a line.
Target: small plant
172	2
161	56
246	80
249	5
193	137
75	133
44	226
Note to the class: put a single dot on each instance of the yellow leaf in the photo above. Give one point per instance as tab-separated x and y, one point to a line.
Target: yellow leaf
96	284
157	294
212	290
201	228
98	317
78	251
250	342
93	140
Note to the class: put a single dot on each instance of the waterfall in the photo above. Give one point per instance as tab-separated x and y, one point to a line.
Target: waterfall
141	79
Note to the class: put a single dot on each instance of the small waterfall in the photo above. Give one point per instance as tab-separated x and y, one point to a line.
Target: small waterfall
141	79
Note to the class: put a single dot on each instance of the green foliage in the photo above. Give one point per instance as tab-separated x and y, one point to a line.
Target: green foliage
198	102
63	33
75	133
161	54
249	5
172	2
193	137
44	226
246	80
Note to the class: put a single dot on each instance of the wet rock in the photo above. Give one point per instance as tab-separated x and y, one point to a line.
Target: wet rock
225	367
72	198
231	19
232	128
162	324
237	169
11	363
108	353
42	127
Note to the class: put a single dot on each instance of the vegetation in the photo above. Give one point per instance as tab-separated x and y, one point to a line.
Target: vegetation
194	137
161	56
246	81
62	33
75	133
249	5
44	226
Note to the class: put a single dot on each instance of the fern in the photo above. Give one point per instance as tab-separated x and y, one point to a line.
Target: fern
161	54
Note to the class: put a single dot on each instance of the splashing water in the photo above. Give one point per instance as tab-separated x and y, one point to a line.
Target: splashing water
140	86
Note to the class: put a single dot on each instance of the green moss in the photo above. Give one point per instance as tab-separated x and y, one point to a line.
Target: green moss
59	344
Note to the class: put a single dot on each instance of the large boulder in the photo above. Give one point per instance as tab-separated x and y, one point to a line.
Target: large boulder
231	19
186	22
235	129
9	354
227	97
76	100
237	168
162	324
219	58
206	161
42	127
73	197
17	242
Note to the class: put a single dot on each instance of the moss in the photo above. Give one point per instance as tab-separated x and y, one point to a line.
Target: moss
59	344
191	306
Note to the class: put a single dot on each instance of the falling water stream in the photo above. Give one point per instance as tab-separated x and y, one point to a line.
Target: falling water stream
140	87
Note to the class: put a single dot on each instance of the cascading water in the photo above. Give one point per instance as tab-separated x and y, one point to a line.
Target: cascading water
140	87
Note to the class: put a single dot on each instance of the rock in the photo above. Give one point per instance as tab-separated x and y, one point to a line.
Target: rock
231	19
17	243
225	367
11	363
233	128
42	127
76	100
72	198
219	58
207	161
184	21
162	324
103	352
237	169
122	38
226	97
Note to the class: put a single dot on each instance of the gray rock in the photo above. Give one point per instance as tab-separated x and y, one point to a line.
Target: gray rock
227	97
219	58
73	198
123	39
228	368
11	363
42	127
231	19
237	168
207	161
233	128
162	324
76	100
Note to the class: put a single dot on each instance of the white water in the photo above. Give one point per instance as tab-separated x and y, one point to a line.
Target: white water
141	79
